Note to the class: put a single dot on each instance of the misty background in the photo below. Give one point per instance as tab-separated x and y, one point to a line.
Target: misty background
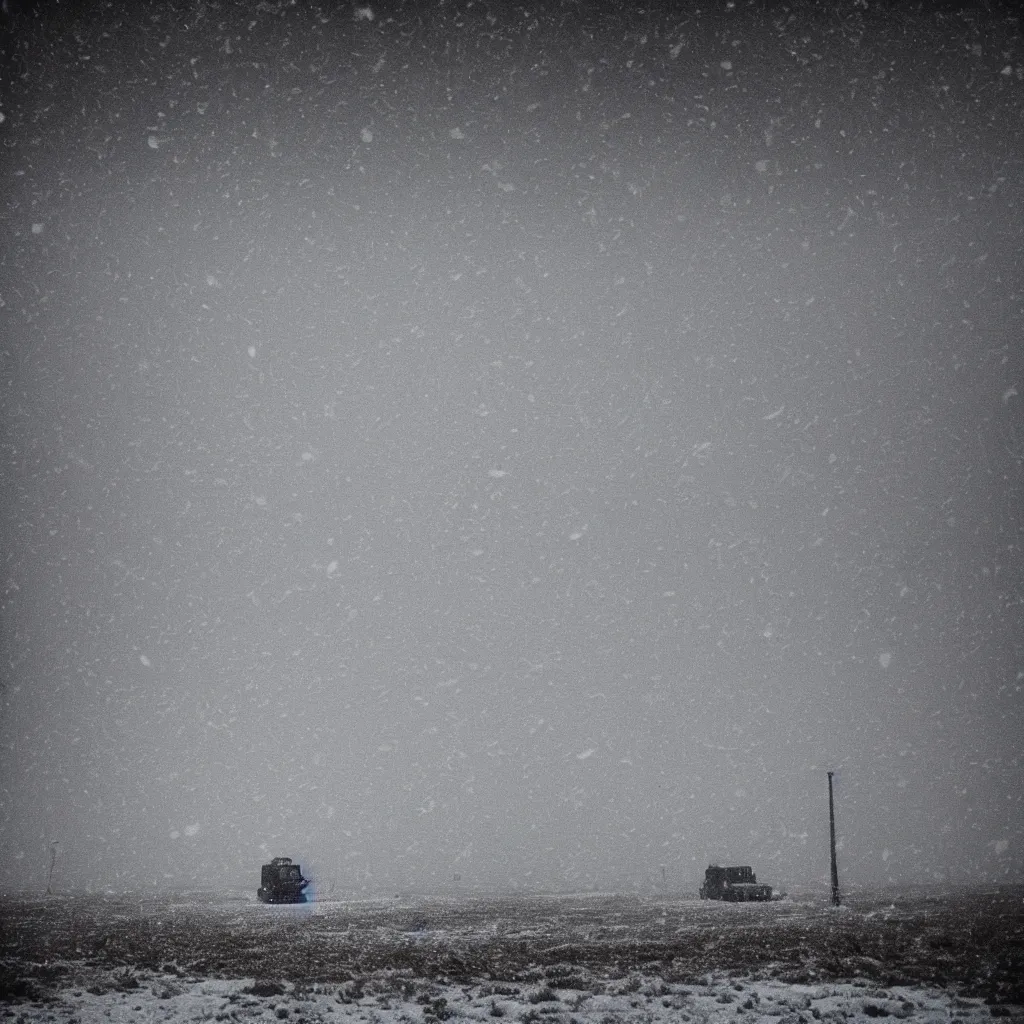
527	443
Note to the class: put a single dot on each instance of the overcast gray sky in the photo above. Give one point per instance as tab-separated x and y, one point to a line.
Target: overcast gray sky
528	444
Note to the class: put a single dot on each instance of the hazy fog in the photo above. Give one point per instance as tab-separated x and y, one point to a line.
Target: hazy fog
526	443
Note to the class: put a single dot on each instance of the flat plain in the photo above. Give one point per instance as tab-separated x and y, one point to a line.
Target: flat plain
413	950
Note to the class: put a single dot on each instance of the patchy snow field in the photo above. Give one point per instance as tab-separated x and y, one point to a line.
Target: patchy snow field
924	955
385	998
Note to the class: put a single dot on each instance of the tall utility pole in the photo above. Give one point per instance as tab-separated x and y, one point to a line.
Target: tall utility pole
832	836
53	860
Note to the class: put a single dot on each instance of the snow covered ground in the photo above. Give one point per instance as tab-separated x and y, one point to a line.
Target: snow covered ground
929	955
398	998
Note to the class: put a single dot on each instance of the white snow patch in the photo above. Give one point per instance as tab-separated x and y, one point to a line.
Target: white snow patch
1010	392
1001	846
584	754
366	135
363	14
497	473
456	133
332	567
193	829
37	229
774	415
252	351
884	659
145	661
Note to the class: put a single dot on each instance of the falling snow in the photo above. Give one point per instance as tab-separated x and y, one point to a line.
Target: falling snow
500	442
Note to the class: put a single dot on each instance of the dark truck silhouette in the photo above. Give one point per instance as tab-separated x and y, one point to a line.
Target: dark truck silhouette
281	881
737	885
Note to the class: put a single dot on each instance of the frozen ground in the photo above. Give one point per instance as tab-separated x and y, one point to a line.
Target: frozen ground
386	998
925	955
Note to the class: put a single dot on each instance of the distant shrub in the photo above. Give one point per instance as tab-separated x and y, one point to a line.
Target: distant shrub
405	987
125	980
576	981
306	991
874	1010
654	989
499	990
676	1002
352	991
166	989
13	988
629	986
438	1009
543	995
264	989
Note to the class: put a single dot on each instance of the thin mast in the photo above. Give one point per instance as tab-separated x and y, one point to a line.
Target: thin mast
832	836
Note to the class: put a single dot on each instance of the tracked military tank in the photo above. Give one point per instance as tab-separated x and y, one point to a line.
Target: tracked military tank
734	885
281	881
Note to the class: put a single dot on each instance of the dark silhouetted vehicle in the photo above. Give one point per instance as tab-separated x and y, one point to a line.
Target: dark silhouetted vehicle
737	885
281	881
